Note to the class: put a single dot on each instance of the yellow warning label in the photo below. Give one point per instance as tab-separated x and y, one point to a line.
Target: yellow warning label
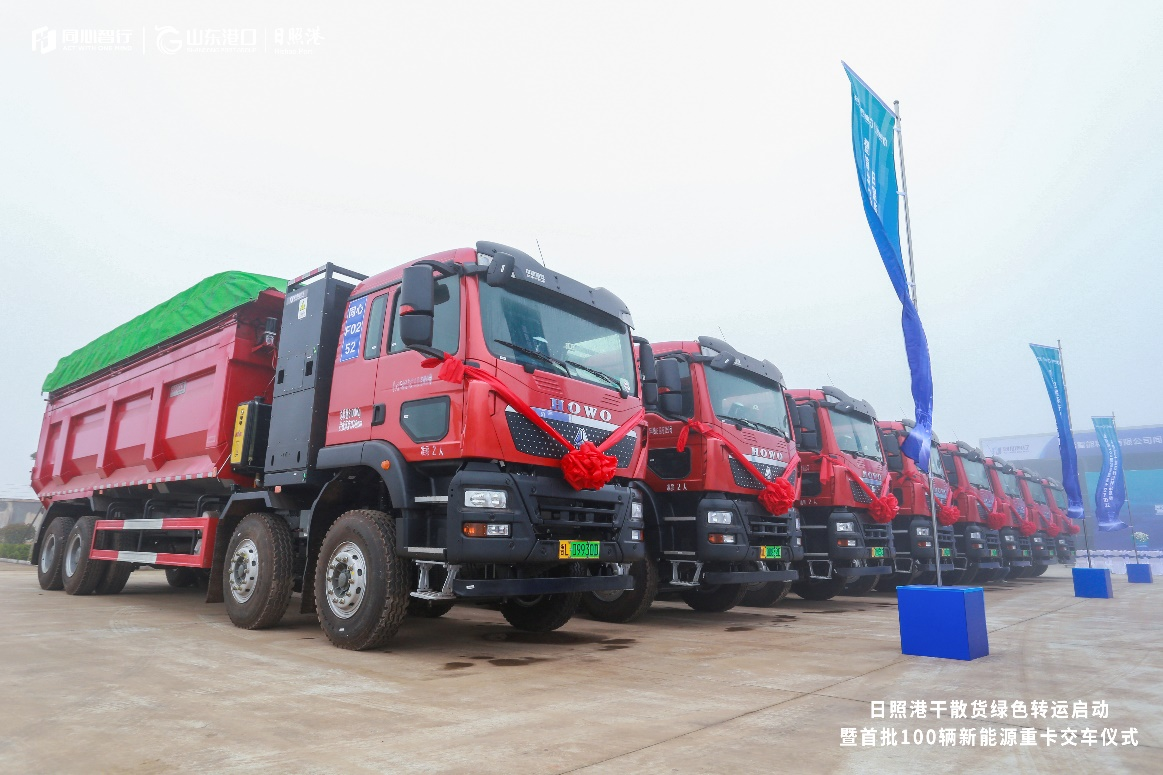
239	434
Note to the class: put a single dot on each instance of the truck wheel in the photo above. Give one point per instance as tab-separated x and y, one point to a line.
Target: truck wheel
429	609
1038	570
115	579
180	578
79	573
927	578
714	598
256	579
959	578
361	586
625	605
766	595
52	552
1016	572
898	579
819	589
861	585
544	613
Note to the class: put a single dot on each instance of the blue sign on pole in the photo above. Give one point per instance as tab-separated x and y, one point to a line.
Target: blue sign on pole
873	127
1050	361
1110	494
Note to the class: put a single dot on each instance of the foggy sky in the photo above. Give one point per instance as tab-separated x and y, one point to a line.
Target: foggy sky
695	159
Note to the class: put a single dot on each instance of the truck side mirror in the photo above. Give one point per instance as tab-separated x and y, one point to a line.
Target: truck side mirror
669	386
417	306
649	374
807	431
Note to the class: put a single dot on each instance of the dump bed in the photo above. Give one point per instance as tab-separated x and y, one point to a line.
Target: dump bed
160	408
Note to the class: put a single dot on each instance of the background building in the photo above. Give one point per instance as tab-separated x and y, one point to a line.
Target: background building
1142	460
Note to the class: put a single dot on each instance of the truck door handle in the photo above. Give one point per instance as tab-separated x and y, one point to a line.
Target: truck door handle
379	414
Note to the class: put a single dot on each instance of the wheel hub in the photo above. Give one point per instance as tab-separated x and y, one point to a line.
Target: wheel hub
244	571
346	580
48	555
73	555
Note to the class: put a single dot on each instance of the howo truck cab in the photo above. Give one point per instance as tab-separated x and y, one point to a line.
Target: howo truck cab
1042	542
846	510
912	528
1015	530
977	540
464	427
719	493
1064	542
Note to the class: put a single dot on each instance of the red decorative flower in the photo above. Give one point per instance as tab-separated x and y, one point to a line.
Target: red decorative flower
777	497
1074	529
948	514
1053	530
1027	527
997	520
588	468
882	510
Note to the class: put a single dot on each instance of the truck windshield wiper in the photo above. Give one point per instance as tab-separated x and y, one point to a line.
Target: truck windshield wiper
739	421
770	428
603	375
534	354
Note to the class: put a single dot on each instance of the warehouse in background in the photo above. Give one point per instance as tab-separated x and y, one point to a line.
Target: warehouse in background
1142	448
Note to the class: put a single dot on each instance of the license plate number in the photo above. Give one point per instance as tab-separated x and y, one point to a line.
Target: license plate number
993	552
578	550
770	552
1025	552
877	551
946	552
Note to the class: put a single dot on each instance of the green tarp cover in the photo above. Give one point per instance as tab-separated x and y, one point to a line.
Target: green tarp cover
205	301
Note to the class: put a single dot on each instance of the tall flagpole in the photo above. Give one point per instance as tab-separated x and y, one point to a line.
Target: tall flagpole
904	192
1126	490
1070	425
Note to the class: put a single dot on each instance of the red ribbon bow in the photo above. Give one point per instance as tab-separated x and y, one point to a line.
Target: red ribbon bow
587	467
948	514
1027	527
1074	529
882	508
778	495
1052	529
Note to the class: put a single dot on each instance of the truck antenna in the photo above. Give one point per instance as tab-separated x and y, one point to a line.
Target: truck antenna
721	333
539	253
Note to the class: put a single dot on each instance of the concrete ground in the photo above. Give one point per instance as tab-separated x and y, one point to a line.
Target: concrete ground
155	680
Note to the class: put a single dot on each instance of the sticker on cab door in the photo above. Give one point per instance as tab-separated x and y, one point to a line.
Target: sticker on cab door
352	329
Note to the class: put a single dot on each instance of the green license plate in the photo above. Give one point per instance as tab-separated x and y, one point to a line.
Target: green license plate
578	550
946	552
993	552
1025	552
877	551
770	552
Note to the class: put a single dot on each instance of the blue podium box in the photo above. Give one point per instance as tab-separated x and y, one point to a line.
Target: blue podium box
1093	582
1139	573
946	622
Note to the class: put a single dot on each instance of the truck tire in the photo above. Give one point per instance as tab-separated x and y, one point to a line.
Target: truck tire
1037	570
361	586
861	585
115	578
52	553
256	579
180	578
429	609
544	613
819	589
714	598
79	573
625	605
766	595
897	579
959	578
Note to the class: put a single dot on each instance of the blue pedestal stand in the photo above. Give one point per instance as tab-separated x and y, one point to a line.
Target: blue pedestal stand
1139	573
946	622
1093	582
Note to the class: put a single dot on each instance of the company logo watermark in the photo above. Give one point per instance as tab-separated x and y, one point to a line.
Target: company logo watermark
171	41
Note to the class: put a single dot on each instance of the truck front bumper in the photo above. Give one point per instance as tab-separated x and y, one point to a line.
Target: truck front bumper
529	587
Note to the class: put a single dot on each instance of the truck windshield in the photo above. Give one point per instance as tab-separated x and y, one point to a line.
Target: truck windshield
1009	483
560	335
1059	498
739	395
935	466
855	434
1037	492
975	473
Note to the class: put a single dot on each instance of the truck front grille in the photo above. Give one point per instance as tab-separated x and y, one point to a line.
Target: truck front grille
743	477
858	494
531	440
880	533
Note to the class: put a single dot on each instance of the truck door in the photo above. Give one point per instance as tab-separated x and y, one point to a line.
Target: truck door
414	409
350	416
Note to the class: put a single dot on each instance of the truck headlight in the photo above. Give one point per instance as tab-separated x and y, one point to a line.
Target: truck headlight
923	531
845	527
975	535
485	499
636	511
719	517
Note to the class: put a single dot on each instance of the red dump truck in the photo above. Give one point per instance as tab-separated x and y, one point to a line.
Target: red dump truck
975	532
719	493
846	509
1067	530
1015	530
1043	540
916	550
463	427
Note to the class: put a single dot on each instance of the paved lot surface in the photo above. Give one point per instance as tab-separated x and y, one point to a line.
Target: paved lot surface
155	680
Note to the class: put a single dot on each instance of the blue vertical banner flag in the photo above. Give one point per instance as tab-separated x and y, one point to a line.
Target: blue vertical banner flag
873	144
1050	361
1111	492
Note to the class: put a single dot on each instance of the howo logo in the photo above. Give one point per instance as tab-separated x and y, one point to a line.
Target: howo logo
573	407
768	454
